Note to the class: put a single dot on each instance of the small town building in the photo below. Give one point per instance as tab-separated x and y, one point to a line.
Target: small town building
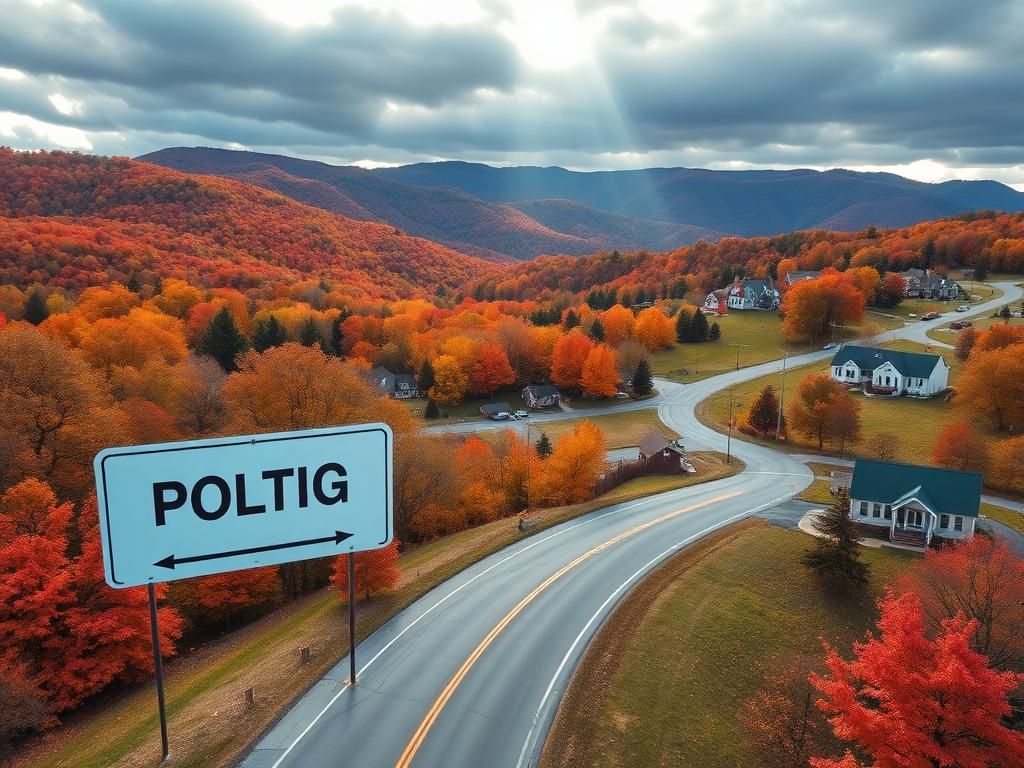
925	284
912	504
753	294
496	411
797	275
661	456
541	396
401	386
717	302
890	372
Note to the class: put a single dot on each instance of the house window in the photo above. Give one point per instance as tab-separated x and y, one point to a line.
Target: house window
863	509
876	510
888	511
944	521
958	523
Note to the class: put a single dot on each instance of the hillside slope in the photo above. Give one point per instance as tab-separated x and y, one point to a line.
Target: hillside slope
747	203
454	217
75	220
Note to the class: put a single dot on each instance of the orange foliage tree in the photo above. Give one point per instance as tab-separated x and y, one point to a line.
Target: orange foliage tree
491	371
573	468
570	354
1007	460
600	376
941	697
376	571
450	383
811	306
654	329
618	323
960	447
991	386
824	410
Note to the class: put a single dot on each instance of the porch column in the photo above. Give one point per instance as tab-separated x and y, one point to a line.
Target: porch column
892	523
932	519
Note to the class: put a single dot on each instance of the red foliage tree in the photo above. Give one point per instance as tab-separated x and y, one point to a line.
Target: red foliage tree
491	371
907	700
570	355
376	570
960	447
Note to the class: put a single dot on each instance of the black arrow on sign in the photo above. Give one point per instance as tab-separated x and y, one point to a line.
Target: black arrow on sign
170	561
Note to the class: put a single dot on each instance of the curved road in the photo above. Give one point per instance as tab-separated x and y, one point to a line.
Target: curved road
471	674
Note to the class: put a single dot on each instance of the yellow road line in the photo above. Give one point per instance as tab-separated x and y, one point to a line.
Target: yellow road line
449	690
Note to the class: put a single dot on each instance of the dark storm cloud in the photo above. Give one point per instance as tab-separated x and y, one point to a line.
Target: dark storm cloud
793	82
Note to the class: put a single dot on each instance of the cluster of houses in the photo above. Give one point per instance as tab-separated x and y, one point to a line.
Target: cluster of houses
749	294
911	504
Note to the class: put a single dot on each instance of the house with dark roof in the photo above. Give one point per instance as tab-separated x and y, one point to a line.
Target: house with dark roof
717	302
541	395
890	372
661	456
753	294
797	275
925	284
401	386
912	504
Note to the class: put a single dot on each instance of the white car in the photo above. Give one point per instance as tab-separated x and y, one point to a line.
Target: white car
963	308
521	414
622	395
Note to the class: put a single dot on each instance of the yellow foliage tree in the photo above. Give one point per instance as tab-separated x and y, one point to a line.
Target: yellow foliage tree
450	381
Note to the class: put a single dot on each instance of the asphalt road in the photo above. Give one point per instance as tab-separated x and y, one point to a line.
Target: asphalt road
471	674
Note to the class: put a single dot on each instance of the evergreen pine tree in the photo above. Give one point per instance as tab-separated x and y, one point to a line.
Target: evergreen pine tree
764	411
310	335
571	320
432	411
683	321
336	333
426	379
642	381
544	446
836	555
223	341
597	330
133	284
699	327
35	308
269	333
714	332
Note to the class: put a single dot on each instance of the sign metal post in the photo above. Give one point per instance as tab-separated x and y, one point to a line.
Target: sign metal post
351	618
154	628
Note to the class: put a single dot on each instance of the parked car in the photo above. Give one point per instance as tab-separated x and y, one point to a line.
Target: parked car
966	323
963	308
830	345
930	316
521	414
956	325
622	395
502	416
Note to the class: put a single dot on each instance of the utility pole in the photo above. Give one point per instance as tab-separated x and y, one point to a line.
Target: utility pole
728	443
837	325
782	394
738	352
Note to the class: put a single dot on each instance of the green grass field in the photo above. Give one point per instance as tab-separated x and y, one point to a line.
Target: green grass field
948	335
916	422
1005	516
621	430
694	657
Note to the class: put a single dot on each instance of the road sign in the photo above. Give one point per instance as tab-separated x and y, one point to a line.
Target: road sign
177	510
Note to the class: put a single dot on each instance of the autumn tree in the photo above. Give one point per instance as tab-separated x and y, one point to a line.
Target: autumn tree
939	695
618	323
764	411
223	341
965	341
573	468
981	579
643	383
376	571
844	422
810	306
835	557
491	371
197	397
570	354
269	333
599	376
813	412
890	291
883	446
991	387
1007	460
960	447
424	486
24	708
654	329
450	382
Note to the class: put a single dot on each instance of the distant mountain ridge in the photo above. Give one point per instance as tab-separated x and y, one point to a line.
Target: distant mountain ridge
523	212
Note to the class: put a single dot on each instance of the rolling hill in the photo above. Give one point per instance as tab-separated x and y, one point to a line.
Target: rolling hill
747	203
489	229
75	220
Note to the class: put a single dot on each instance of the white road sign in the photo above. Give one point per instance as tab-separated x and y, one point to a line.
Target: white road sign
177	510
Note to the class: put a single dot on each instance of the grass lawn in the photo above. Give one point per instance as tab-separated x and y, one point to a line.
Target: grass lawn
760	332
210	725
666	678
948	335
621	430
917	422
1005	516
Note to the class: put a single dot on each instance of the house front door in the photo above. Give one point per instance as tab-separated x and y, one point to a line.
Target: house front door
909	518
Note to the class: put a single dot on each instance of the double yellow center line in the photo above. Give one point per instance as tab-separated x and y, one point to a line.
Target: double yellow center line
449	690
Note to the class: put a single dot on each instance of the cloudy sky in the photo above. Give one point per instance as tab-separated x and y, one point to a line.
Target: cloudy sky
932	89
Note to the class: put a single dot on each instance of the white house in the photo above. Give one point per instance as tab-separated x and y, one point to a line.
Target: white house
913	504
753	294
890	372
